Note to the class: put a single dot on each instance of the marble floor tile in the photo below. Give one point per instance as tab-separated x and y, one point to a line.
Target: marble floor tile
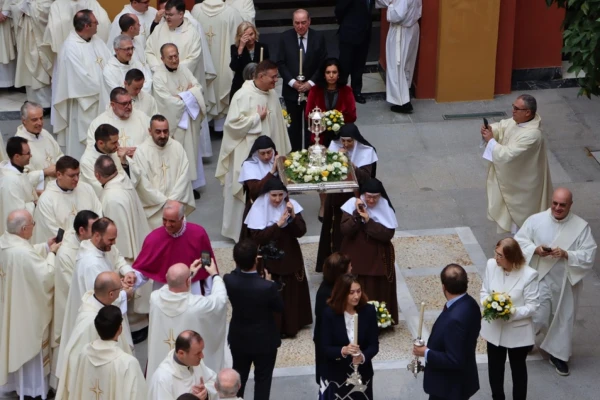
430	251
428	289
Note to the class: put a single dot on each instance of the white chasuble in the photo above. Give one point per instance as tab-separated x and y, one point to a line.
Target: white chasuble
145	18
86	166
76	90
3	155
518	181
121	203
401	45
57	208
79	335
16	192
45	152
242	127
172	313
132	131
245	8
34	67
27	288
220	23
114	76
169	89
561	280
145	103
160	174
60	21
103	371
171	379
8	50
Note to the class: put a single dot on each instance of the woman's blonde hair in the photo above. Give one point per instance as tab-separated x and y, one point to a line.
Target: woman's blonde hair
512	252
242	28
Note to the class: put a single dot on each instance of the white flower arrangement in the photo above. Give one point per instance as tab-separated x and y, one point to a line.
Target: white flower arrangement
333	120
384	318
497	306
297	170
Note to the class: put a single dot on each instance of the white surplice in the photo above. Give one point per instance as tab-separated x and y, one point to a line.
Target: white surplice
401	46
57	209
561	281
34	66
172	313
76	86
171	380
45	152
16	192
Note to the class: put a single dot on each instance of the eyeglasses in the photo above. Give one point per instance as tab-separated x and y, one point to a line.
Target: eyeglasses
498	256
515	108
127	48
32	224
25	154
124	104
117	290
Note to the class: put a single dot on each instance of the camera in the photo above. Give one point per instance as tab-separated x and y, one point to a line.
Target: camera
270	252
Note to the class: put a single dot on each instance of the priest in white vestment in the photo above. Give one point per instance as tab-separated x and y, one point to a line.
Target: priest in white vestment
107	143
34	60
173	309
106	292
255	110
179	95
143	12
27	287
60	21
560	246
63	275
144	102
220	22
228	384
245	8
103	367
77	83
8	51
183	371
401	46
16	190
62	200
518	180
159	171
130	26
117	66
45	150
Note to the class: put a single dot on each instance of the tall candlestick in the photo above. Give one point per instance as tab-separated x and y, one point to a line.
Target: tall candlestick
300	61
356	328
421	320
261	53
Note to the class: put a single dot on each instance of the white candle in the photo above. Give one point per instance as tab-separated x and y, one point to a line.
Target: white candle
356	328
421	319
300	61
261	53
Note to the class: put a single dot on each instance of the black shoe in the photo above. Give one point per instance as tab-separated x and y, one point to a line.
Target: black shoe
403	109
360	98
139	336
196	194
562	368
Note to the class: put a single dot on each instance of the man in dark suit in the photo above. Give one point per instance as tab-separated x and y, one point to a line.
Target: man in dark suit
314	52
355	20
450	366
253	336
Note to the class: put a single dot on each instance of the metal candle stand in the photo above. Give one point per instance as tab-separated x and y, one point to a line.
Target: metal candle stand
415	365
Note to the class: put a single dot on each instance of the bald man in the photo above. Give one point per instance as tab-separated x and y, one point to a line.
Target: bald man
228	383
560	246
174	308
27	283
107	291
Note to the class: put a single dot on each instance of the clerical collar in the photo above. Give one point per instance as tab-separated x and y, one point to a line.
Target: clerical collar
170	69
98	300
82	38
190	369
98	150
64	190
18	168
124	63
37	135
181	231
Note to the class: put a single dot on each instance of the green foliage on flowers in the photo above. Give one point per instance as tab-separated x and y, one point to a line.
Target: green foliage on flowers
497	306
298	171
333	120
384	319
581	34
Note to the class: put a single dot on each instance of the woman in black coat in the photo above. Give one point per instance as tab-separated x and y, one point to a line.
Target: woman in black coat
337	340
334	266
246	50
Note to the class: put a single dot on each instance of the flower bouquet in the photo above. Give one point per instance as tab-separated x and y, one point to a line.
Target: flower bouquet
384	319
497	306
297	168
333	120
286	117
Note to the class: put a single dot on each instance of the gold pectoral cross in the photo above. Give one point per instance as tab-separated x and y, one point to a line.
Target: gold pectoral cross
170	340
210	34
96	389
100	61
123	139
74	210
48	158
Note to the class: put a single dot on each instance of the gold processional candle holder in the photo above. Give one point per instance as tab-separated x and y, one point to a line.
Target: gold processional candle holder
415	365
355	379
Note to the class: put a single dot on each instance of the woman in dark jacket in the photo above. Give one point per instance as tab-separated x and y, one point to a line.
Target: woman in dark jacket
338	343
246	50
